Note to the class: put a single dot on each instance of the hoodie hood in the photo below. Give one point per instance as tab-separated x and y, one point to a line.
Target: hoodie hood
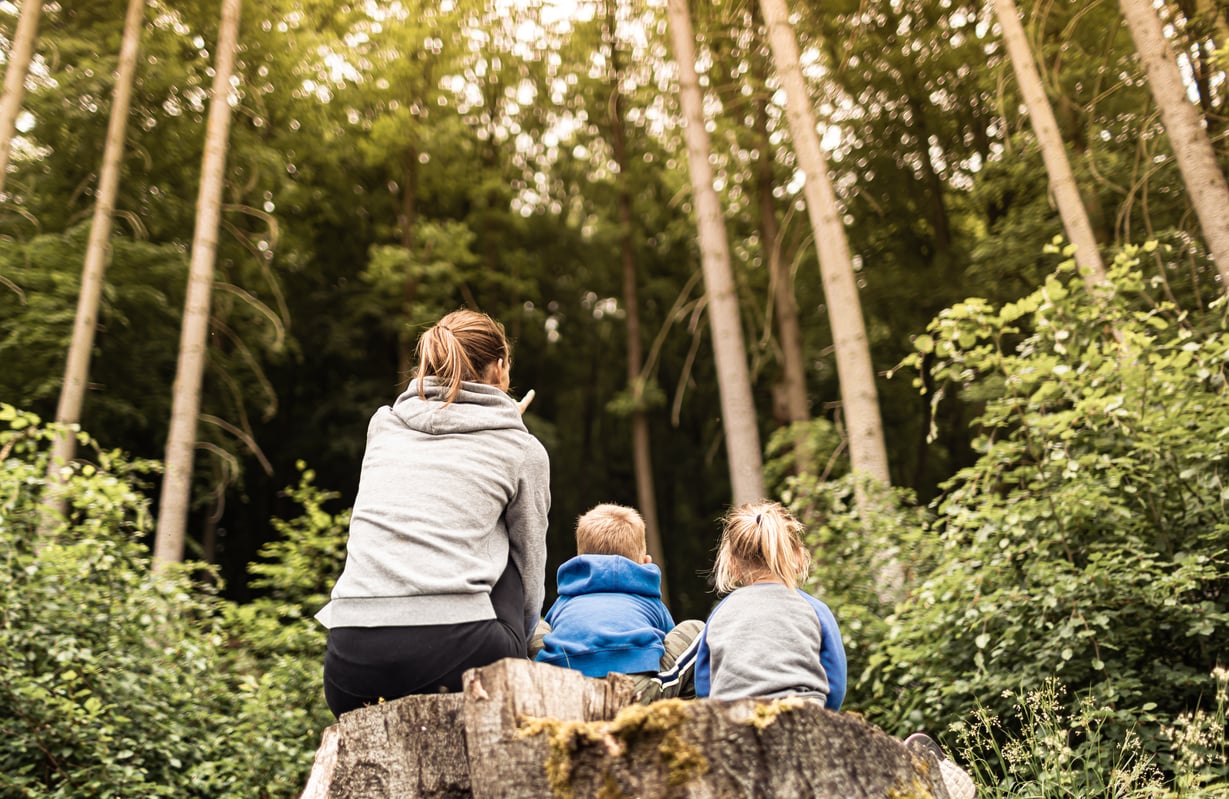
596	574
478	406
609	617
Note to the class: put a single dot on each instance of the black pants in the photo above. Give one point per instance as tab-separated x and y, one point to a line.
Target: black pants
366	664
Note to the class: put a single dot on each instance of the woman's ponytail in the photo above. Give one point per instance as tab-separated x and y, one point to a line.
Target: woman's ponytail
460	347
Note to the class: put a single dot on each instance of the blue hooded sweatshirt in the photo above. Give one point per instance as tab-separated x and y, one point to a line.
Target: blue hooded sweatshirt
609	617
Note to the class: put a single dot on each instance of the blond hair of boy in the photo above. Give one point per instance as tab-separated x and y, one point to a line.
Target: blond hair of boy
610	529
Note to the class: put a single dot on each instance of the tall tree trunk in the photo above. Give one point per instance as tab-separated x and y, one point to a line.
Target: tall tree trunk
859	397
1053	153
642	454
789	332
77	370
1205	183
793	385
20	53
186	400
733	377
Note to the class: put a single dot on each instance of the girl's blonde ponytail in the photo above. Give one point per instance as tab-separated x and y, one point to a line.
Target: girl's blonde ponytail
760	540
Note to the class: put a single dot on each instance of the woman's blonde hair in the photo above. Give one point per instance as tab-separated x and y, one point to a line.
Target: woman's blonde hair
460	347
758	540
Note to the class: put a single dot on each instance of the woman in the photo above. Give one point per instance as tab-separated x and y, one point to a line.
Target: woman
446	557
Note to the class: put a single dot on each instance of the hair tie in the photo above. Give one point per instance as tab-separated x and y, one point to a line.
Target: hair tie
757	519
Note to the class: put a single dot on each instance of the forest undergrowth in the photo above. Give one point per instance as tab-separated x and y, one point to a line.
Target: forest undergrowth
1057	618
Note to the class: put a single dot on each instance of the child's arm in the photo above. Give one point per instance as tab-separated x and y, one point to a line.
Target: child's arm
704	682
832	656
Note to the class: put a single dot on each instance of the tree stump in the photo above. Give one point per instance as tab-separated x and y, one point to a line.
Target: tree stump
521	729
758	749
412	747
498	700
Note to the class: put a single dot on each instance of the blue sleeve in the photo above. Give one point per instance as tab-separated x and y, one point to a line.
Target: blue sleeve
703	672
704	666
831	653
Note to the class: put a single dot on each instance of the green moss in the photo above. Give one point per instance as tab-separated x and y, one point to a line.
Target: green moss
611	789
563	738
915	790
655	727
766	713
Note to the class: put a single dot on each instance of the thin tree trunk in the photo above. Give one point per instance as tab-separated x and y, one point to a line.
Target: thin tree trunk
940	222
185	408
789	332
859	396
733	377
793	385
1210	12
1053	153
20	53
642	454
77	370
1205	183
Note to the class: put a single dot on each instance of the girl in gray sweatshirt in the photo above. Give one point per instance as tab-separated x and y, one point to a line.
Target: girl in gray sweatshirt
446	555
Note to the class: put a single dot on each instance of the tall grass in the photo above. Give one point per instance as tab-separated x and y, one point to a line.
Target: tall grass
1051	748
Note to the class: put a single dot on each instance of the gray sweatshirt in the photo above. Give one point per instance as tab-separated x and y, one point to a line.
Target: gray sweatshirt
764	640
446	494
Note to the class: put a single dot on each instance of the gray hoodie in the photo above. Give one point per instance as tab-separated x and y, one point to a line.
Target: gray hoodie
446	494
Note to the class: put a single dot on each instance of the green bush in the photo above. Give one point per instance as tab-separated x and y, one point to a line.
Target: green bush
1050	745
1088	541
114	682
1086	547
108	675
277	648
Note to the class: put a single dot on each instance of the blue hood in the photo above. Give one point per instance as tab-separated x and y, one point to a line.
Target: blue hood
597	574
609	617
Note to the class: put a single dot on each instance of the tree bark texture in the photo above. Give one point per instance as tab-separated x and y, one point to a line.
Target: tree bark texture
1062	180
703	749
194	335
733	376
413	747
501	698
1205	183
868	453
19	55
524	730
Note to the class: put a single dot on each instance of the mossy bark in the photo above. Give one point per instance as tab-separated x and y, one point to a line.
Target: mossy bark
705	749
522	730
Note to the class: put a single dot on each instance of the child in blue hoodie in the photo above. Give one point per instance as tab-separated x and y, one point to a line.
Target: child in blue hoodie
609	616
